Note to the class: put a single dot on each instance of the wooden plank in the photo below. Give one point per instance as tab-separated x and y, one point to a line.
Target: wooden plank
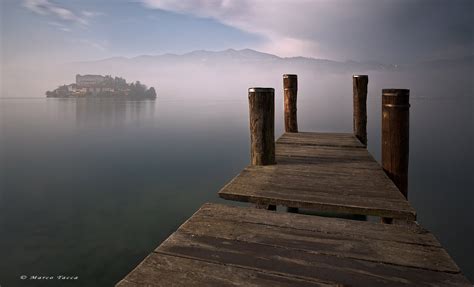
323	152
253	186
384	251
321	139
235	246
302	162
165	270
333	182
302	264
317	203
343	179
326	192
413	233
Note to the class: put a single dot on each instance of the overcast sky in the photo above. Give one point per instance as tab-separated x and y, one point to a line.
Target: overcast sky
396	31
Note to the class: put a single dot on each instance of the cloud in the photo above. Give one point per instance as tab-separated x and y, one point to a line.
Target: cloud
251	16
290	47
342	29
59	26
91	14
48	8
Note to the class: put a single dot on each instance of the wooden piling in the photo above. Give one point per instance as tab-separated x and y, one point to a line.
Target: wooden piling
359	88
395	136
290	88
262	126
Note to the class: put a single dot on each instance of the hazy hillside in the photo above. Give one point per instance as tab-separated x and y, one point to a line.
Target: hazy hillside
222	74
233	58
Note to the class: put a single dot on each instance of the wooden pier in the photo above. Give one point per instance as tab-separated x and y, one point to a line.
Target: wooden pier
222	245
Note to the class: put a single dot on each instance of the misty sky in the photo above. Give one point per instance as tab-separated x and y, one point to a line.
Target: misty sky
397	31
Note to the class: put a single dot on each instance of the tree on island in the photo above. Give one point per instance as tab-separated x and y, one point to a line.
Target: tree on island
138	90
150	93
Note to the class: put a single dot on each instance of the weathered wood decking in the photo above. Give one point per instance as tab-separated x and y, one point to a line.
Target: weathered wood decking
235	246
331	172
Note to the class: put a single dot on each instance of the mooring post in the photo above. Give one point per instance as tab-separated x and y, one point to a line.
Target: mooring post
395	137
262	129
262	125
290	88
359	90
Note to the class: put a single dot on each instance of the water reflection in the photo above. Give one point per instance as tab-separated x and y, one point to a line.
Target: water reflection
113	112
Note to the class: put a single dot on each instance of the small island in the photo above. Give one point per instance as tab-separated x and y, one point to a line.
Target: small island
98	86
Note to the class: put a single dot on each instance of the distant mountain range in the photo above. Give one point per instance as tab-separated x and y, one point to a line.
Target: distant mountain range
249	56
240	57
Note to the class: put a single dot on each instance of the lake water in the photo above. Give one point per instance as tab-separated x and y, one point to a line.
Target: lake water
90	187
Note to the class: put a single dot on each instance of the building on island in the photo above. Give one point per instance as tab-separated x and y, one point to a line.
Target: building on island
89	80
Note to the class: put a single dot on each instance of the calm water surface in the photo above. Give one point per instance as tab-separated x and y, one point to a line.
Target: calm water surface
90	187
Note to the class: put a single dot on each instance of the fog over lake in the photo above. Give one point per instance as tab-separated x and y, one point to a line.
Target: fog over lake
89	187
